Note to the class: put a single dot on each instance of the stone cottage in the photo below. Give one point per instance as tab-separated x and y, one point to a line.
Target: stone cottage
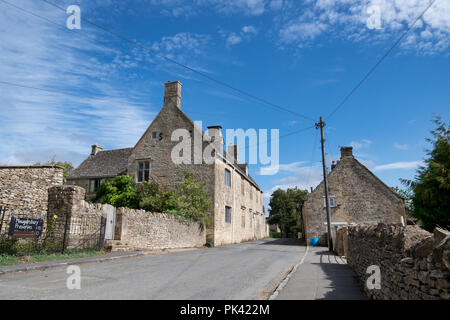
356	196
238	213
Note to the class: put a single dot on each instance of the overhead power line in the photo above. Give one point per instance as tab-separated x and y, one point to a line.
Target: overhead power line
379	62
220	82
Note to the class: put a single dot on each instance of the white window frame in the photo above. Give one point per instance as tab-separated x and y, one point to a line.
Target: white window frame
332	200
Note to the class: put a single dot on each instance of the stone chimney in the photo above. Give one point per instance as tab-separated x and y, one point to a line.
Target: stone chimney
215	132
96	149
172	93
346	152
232	153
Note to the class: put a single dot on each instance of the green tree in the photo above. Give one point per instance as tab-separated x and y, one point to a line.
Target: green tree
431	186
120	192
193	199
156	199
285	210
407	195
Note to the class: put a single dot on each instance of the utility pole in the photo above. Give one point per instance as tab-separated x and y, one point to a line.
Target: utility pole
320	125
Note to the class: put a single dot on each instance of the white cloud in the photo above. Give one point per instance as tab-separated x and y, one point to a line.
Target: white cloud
401	146
233	38
364	143
399	165
90	101
348	19
248	7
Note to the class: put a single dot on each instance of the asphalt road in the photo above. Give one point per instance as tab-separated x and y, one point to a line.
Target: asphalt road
249	270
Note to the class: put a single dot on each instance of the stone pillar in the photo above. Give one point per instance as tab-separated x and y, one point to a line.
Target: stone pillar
62	202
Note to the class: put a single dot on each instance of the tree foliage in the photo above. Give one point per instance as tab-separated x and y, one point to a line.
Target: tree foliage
285	210
192	199
189	199
157	199
431	186
120	192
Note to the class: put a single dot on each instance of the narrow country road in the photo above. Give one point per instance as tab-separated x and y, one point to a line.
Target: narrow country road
249	270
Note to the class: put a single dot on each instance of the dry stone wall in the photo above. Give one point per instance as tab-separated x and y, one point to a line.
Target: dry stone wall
24	191
414	263
137	229
145	230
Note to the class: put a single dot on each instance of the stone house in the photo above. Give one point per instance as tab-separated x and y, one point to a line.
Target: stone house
356	195
238	213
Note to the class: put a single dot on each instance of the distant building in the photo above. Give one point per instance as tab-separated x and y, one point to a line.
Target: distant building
356	196
237	214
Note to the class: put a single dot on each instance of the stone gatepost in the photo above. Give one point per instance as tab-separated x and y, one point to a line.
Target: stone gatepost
63	201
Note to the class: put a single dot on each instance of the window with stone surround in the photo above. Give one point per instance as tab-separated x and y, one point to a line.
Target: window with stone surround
332	200
144	171
243	186
227	214
227	178
243	218
93	185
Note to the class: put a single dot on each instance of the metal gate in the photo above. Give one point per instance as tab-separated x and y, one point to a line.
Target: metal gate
110	221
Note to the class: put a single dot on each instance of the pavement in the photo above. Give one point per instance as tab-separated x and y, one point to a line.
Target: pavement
321	275
251	270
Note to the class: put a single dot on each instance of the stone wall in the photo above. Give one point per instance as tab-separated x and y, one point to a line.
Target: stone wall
83	219
414	263
145	230
137	229
23	190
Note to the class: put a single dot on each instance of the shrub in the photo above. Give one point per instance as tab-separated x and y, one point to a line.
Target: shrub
156	199
121	192
192	199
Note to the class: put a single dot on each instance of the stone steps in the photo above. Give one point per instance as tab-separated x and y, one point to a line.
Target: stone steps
117	246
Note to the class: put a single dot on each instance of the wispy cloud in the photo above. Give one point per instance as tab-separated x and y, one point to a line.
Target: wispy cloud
90	103
399	146
399	165
364	143
347	19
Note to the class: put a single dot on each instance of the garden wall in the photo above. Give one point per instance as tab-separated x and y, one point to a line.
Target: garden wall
23	190
136	229
414	263
141	229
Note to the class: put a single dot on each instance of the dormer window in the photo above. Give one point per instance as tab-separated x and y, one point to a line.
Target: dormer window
144	171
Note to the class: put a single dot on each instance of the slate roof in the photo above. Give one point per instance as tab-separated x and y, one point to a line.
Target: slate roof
104	164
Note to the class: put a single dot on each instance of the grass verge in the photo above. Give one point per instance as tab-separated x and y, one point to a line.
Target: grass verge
7	260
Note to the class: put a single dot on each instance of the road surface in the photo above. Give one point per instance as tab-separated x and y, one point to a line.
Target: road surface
249	270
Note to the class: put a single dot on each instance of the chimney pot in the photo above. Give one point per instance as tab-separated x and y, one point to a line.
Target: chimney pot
172	93
96	149
346	152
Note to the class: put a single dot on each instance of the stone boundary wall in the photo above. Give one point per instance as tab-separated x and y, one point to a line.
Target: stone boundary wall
145	230
24	191
83	218
414	263
137	229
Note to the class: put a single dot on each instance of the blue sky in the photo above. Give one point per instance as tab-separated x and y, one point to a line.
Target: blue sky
303	55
